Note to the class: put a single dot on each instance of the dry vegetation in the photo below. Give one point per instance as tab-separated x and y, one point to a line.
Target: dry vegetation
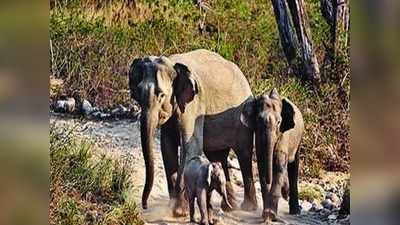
85	189
94	41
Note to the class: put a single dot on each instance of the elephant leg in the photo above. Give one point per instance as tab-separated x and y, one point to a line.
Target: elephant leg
209	209
202	203
245	161
293	173
285	187
191	130
222	157
278	181
262	173
169	150
191	206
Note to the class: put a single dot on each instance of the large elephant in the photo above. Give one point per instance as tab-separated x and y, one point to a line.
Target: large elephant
197	99
279	127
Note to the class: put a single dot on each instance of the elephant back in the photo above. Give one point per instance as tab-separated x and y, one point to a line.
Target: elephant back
222	84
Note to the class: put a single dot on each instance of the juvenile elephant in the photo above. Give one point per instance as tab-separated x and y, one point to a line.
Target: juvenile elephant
201	178
197	99
278	126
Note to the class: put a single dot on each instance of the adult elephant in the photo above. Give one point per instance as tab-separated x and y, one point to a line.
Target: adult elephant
279	127
197	99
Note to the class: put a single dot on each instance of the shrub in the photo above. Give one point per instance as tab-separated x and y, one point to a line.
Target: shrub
311	193
86	189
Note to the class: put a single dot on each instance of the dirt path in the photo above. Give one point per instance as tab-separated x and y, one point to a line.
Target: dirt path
122	139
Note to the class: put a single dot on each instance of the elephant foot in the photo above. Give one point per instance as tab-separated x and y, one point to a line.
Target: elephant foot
296	210
269	215
205	222
180	208
248	205
179	211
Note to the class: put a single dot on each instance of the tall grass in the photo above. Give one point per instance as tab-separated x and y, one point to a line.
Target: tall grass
85	189
94	41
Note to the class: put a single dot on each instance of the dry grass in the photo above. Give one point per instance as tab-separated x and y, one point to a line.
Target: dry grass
85	189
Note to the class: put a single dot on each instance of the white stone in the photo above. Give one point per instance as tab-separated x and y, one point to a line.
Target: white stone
306	205
332	217
87	107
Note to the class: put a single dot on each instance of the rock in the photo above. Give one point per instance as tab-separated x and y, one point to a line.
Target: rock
316	206
332	217
86	107
333	197
327	204
324	212
65	106
105	115
306	205
345	205
96	114
100	115
120	111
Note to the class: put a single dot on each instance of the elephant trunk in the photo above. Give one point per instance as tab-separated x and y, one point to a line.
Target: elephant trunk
270	155
147	131
225	196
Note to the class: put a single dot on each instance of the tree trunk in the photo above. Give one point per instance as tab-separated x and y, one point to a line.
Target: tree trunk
337	15
300	22
285	30
327	10
342	24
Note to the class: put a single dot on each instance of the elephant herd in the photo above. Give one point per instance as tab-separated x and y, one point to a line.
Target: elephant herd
204	106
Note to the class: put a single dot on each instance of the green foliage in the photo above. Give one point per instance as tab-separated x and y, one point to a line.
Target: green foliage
311	193
86	189
94	42
69	212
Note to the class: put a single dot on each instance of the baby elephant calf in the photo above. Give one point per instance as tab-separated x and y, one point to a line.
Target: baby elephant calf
201	178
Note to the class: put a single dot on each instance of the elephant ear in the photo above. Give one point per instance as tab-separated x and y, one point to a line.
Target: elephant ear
135	75
287	115
209	174
274	94
185	86
247	117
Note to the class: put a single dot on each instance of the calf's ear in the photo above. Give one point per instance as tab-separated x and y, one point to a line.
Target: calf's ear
287	115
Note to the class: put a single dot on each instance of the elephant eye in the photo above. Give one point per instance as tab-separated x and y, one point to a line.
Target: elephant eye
161	96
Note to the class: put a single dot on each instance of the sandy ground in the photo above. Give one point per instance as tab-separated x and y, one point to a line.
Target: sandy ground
122	139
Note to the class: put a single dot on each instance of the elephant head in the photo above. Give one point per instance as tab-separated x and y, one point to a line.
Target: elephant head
216	181
269	116
161	87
